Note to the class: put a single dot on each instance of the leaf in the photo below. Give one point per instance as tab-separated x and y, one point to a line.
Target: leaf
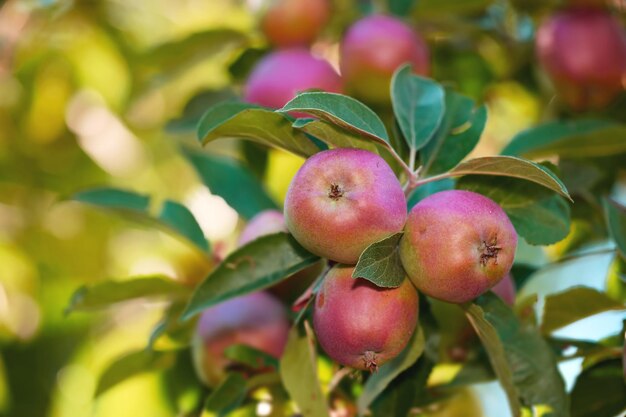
418	105
227	178
251	357
109	292
458	133
528	359
255	266
538	215
170	331
339	137
196	107
377	382
575	304
131	364
616	223
400	7
508	166
229	395
341	110
571	138
599	391
173	216
380	263
298	371
427	189
249	121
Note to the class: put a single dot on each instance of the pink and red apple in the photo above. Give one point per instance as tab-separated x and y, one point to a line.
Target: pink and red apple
294	22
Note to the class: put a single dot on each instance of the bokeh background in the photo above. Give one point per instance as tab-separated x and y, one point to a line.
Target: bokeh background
97	93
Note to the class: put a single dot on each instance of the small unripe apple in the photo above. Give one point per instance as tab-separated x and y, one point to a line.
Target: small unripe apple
279	76
269	222
257	320
457	245
372	49
294	22
343	200
583	50
361	325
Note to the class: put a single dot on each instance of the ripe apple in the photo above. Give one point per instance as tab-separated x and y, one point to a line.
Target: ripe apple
294	22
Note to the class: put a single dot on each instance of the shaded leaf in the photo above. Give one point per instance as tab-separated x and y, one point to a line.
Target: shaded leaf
377	382
173	216
508	166
298	371
575	304
458	133
400	7
227	178
427	189
538	215
251	122
109	292
255	266
571	138
380	263
616	223
229	395
418	105
341	110
251	357
599	391
131	364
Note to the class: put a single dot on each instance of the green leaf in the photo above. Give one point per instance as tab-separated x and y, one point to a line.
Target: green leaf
132	364
458	134
616	223
571	138
600	391
508	166
427	189
173	216
227	178
251	357
400	7
255	266
251	122
377	382
298	371
575	304
380	263
538	215
419	106
229	395
172	328
109	292
528	360
196	107
341	110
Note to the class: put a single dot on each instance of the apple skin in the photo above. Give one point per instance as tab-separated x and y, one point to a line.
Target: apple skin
343	200
583	50
269	222
295	22
361	325
505	289
457	245
372	49
257	320
279	76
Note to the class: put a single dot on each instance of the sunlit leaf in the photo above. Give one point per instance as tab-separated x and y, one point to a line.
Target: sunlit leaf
226	397
380	263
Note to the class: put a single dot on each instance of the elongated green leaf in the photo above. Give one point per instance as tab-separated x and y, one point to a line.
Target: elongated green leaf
377	383
188	121
539	216
572	138
600	391
251	357
170	329
575	304
248	121
255	266
134	363
109	292
380	263
339	137
508	166
227	178
341	110
298	371
458	134
226	397
427	189
529	361
173	216
616	222
418	104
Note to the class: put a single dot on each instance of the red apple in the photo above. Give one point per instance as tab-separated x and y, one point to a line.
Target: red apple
295	22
